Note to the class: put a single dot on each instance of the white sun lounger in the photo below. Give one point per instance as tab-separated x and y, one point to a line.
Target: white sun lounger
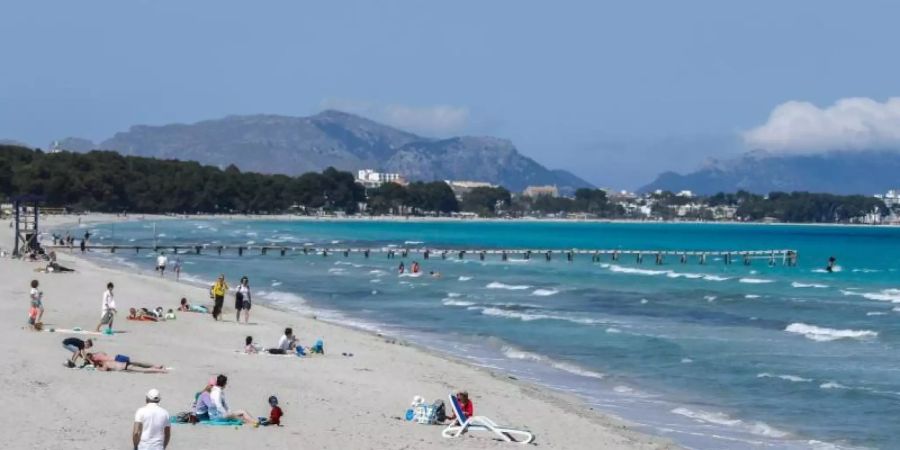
481	423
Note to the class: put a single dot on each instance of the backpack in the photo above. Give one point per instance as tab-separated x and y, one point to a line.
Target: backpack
438	412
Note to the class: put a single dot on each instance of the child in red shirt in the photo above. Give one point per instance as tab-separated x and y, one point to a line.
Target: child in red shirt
274	415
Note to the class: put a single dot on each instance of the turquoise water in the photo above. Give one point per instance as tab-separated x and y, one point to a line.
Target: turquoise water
712	356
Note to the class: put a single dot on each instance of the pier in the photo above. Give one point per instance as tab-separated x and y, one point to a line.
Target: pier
785	257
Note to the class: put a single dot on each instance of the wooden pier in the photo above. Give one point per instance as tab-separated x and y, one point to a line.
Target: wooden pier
785	257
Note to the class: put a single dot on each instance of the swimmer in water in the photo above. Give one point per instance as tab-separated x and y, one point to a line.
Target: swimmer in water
434	274
831	262
402	268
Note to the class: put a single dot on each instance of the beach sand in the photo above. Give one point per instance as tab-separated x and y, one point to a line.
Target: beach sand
330	402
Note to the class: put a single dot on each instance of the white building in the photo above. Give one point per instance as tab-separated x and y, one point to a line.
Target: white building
537	191
891	198
370	178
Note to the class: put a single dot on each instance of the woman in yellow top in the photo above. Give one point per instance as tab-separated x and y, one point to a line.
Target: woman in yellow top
217	292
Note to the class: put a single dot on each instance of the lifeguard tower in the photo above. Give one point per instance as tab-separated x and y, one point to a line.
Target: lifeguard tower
25	219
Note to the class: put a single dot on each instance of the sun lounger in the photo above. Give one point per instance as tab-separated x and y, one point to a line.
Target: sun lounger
481	423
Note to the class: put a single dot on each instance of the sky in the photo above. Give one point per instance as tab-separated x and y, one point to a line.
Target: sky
615	92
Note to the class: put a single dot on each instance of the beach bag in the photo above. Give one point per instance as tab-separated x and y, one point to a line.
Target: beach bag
439	412
185	417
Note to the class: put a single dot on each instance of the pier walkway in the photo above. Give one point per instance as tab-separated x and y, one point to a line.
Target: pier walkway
785	257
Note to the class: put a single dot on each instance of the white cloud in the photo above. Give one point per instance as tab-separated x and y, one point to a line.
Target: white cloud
435	120
856	123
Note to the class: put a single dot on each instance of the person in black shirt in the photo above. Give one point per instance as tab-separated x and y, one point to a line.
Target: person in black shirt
77	347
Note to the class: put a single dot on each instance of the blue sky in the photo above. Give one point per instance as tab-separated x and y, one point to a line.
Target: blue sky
615	92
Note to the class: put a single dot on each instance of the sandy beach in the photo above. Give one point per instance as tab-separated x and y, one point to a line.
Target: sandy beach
330	401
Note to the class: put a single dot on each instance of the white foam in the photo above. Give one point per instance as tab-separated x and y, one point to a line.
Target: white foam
461	278
808	285
822	334
751	296
884	295
791	378
451	302
710	298
691	276
276	283
613	330
410	275
636	271
865	270
283	298
755	280
833	385
514	353
414	242
644	301
623	389
686	360
528	317
454	294
544	292
757	428
876	313
511	287
715	278
375	280
336	270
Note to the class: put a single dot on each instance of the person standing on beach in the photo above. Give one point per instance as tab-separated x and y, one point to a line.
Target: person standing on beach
177	268
36	311
161	262
217	292
109	309
242	300
151	429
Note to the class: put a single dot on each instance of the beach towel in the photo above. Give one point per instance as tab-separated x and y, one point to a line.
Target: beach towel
212	423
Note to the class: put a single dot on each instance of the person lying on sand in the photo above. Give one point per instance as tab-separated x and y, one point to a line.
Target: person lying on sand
121	363
184	306
143	314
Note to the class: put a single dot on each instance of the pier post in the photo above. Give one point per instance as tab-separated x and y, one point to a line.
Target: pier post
197	249
640	258
220	250
283	250
264	250
481	255
426	254
366	253
112	249
503	256
346	253
570	256
684	258
461	254
240	251
703	259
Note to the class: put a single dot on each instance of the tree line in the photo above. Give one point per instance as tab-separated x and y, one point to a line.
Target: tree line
106	181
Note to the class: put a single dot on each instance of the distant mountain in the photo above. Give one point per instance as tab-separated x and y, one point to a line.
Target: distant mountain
294	145
839	172
13	142
74	144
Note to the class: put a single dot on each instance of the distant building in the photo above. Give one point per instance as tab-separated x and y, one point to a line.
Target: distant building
371	179
891	198
461	188
537	191
685	193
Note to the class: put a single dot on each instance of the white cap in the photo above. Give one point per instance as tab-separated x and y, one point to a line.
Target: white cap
153	395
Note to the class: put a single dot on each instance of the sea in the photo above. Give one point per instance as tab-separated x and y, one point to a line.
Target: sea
711	356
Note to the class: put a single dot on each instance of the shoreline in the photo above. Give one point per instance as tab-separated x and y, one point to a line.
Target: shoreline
556	431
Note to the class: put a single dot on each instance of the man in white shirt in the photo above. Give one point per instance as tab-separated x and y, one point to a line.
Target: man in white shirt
288	341
108	311
161	262
151	425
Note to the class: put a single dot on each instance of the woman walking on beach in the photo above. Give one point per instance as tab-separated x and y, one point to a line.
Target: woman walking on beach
217	292
242	300
108	310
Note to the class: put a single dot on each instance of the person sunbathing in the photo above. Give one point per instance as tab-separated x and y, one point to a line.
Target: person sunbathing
142	314
121	363
184	306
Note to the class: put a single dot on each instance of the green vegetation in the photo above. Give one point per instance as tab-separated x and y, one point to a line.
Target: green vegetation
110	182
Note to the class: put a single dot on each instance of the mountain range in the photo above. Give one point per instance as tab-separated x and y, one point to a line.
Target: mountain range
294	145
838	172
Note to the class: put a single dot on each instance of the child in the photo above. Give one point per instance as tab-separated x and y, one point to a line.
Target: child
36	311
274	415
249	347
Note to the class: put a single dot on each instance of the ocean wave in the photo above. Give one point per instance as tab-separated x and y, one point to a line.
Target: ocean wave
454	294
822	334
865	270
544	292
452	302
511	287
612	330
757	428
876	313
281	298
529	316
410	275
808	285
413	242
791	378
755	280
691	276
276	283
884	295
710	298
336	270
635	270
751	296
833	385
715	278
462	278
514	353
